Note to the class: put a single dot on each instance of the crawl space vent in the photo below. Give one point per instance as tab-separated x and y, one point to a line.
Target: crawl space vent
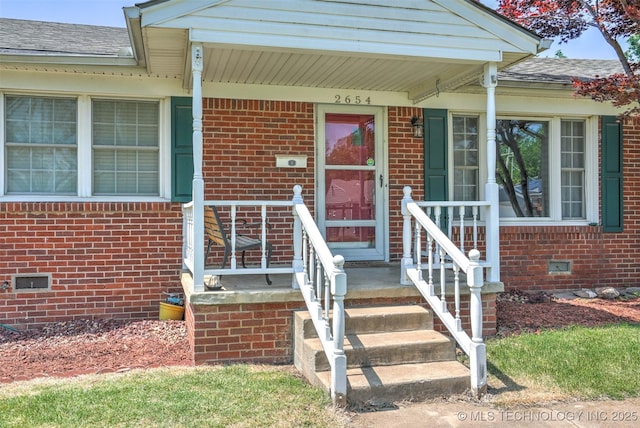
32	282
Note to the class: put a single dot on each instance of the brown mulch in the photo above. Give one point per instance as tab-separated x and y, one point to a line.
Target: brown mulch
519	312
103	346
91	346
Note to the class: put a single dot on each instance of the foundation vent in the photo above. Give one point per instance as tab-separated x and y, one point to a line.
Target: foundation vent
32	282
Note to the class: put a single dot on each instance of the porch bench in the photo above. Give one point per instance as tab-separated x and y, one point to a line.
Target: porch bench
217	234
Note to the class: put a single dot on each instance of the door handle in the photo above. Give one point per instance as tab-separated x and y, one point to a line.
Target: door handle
381	180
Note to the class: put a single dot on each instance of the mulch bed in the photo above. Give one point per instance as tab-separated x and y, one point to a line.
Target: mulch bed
520	312
103	346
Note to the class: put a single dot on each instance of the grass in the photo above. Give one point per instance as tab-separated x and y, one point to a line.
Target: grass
572	363
231	396
576	362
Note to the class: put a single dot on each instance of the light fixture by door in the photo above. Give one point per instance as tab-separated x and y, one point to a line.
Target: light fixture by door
417	126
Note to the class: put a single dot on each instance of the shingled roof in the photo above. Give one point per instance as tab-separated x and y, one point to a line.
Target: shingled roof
559	70
21	37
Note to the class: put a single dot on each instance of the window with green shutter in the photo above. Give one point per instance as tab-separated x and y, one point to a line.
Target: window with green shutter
181	149
612	182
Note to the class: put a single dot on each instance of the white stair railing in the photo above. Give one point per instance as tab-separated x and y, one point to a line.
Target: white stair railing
321	279
443	254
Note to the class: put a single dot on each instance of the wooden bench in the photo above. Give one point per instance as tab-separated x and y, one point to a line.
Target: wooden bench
217	234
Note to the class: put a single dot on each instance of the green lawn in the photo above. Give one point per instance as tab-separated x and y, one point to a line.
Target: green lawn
587	363
240	396
577	362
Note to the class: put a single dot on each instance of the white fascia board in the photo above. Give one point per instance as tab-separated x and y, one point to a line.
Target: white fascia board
535	103
346	47
301	94
80	60
163	12
521	39
51	82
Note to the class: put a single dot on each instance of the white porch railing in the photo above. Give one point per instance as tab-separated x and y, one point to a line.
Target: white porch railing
443	254
316	272
322	280
188	251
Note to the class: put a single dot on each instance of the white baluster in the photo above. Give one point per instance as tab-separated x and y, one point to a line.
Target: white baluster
430	255
263	262
461	211
339	369
418	251
443	282
456	282
406	236
474	210
233	237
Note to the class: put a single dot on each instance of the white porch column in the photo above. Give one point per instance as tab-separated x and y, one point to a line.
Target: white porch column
198	182
490	82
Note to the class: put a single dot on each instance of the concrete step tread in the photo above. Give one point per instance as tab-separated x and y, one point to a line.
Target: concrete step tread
400	374
372	377
372	319
391	339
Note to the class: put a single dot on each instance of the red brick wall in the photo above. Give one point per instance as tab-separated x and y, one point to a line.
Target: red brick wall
106	260
598	258
264	332
114	260
241	140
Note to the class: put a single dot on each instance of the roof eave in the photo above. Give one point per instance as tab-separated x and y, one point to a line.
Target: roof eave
133	21
92	60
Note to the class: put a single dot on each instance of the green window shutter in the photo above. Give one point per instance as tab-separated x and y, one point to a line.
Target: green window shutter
435	155
181	149
612	183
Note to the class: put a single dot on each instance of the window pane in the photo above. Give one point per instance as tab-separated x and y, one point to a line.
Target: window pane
573	168
131	163
465	159
350	139
522	169
31	123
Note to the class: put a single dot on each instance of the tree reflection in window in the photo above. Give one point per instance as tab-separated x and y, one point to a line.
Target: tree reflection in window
522	170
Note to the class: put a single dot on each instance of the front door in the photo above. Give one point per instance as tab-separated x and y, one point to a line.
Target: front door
351	181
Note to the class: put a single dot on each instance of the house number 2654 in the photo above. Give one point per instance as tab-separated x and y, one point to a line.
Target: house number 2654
348	99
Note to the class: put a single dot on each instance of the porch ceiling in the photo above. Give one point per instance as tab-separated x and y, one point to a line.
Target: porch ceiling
167	53
418	48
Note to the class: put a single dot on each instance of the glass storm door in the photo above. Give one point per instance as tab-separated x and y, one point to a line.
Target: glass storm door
351	182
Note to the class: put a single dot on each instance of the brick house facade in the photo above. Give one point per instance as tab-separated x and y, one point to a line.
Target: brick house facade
116	256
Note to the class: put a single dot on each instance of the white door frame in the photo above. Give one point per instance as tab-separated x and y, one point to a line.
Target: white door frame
381	250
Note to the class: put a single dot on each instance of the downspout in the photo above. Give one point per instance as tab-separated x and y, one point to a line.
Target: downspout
490	81
198	181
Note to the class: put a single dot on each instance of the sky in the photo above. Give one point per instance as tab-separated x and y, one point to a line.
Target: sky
109	13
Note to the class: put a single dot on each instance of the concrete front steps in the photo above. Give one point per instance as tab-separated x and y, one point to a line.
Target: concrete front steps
393	354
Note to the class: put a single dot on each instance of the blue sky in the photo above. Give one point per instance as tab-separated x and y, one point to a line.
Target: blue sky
109	13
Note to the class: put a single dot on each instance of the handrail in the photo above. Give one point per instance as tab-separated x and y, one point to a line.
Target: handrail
321	279
440	244
316	272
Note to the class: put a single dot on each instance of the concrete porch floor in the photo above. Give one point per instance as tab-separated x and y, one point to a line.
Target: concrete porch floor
364	281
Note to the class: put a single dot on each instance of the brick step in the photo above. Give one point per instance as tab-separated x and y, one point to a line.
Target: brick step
403	382
396	347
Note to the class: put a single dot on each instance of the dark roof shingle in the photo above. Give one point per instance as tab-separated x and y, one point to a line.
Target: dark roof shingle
559	70
24	37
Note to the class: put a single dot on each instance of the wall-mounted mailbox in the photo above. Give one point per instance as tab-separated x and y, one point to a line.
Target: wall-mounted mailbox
291	161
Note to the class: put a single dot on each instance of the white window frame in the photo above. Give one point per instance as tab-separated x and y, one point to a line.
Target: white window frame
591	188
85	151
